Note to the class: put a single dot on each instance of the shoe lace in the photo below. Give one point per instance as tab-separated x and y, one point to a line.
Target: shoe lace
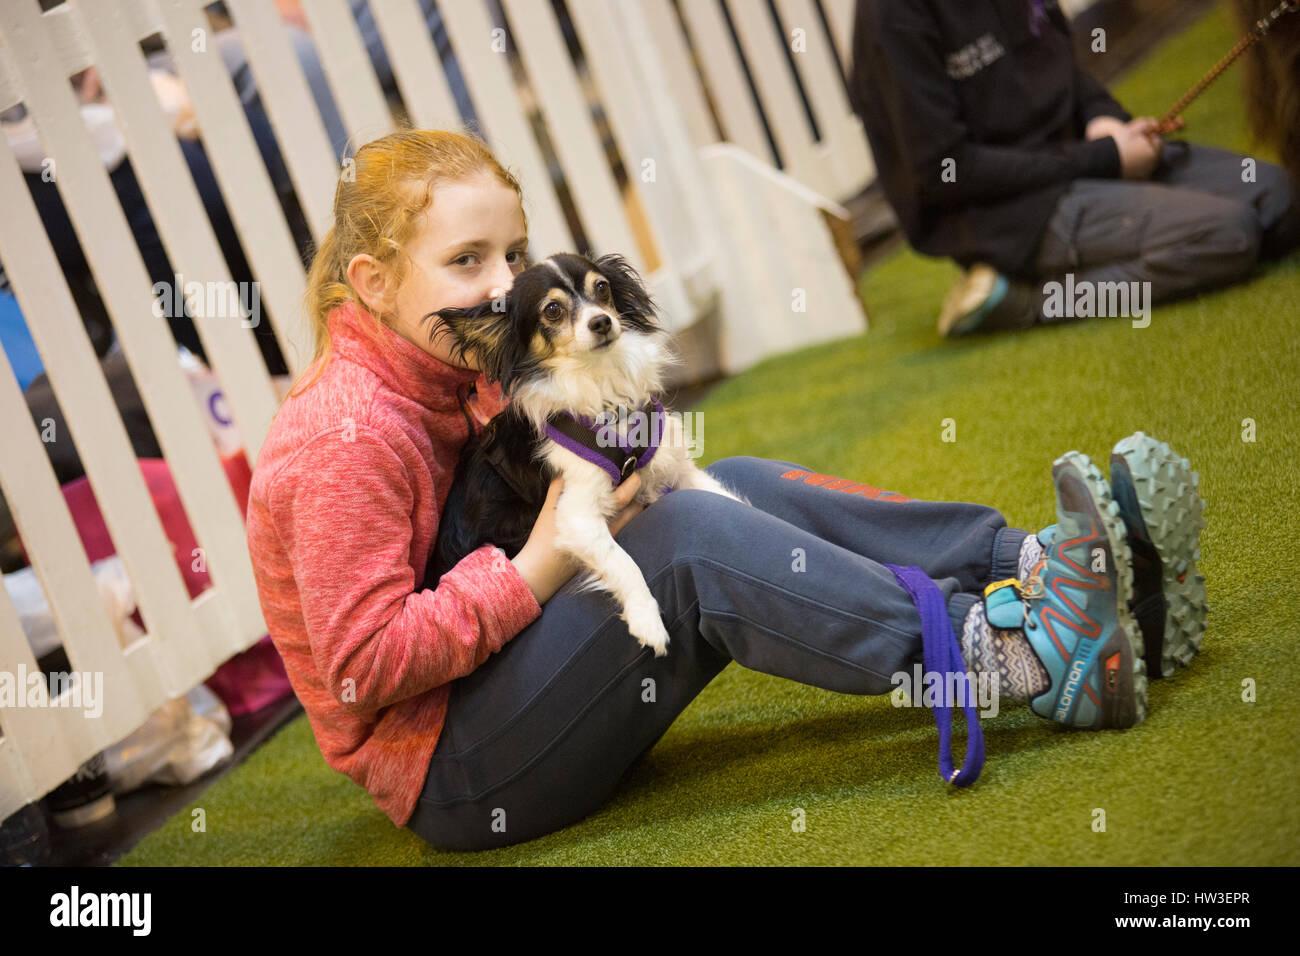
1032	587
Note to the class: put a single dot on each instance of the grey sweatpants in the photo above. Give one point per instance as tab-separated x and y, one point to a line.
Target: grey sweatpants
1203	220
540	735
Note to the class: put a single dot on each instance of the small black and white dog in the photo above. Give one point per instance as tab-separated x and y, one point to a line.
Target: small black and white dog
578	351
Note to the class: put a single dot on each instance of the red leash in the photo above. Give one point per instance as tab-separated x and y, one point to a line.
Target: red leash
1173	121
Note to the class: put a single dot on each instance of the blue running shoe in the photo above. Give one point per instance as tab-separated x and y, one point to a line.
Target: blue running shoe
1159	498
1077	616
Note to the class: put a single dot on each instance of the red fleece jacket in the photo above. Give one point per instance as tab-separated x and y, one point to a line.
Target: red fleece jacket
342	515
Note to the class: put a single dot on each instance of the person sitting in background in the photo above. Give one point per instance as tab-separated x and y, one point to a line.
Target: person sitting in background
997	150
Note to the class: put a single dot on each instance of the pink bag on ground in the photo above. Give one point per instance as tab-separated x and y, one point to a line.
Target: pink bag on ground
248	681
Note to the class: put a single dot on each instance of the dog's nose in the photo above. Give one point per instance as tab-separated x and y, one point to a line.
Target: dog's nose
600	325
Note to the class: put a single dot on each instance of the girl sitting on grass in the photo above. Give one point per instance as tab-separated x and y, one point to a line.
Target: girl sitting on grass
504	704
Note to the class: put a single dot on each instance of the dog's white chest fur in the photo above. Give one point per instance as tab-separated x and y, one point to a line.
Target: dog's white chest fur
587	504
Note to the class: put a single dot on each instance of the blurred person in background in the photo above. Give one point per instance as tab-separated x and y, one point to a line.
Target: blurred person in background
997	150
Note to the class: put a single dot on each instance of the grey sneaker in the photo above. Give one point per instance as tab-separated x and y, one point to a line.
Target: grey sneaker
1159	498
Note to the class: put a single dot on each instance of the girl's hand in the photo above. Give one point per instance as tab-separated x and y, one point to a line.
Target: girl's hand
628	509
541	563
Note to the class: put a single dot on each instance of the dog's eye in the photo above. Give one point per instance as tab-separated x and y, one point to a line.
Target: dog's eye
552	310
602	289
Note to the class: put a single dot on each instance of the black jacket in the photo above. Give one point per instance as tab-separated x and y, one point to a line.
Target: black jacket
970	81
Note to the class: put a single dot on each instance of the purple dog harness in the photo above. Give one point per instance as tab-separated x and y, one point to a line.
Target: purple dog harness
599	443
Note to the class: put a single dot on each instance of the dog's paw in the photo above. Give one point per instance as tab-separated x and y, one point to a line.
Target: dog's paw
645	624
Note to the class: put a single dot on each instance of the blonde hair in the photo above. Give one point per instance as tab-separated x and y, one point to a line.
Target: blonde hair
377	206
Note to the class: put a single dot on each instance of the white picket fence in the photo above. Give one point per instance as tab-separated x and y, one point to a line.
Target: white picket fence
723	232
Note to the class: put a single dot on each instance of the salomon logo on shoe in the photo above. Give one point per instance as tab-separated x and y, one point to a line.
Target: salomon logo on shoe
1066	701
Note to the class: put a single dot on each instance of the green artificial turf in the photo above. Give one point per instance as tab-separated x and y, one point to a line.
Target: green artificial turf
1207	779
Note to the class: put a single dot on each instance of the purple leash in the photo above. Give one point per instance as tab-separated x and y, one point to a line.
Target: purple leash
942	656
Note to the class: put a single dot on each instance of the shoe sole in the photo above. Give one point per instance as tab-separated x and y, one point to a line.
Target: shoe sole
1115	712
971	291
1170	514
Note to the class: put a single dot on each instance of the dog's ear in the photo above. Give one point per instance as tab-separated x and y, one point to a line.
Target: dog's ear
633	302
488	331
